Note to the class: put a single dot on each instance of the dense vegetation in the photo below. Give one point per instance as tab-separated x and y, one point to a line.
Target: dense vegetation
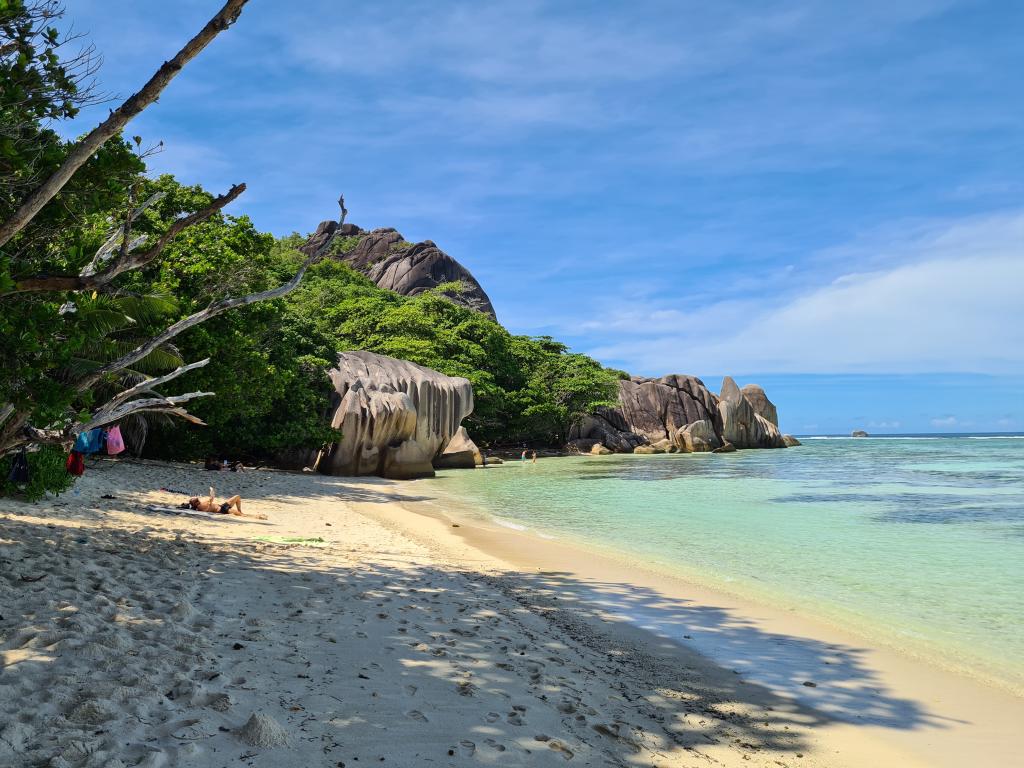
70	344
270	359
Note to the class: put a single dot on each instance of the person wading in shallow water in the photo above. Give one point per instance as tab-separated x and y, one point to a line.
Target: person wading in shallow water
533	458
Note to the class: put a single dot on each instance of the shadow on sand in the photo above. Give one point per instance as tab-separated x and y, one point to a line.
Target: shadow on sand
666	696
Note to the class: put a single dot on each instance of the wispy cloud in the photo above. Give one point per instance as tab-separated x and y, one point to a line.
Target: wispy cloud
950	302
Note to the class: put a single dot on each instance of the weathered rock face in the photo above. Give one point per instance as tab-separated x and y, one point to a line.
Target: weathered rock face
385	257
679	413
395	417
608	427
657	408
698	437
790	441
460	453
762	405
741	424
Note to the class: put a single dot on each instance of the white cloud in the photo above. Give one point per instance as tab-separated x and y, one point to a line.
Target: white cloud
952	301
945	421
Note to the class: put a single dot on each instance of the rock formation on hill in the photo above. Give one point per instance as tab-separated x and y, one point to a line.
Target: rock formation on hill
395	417
385	257
679	413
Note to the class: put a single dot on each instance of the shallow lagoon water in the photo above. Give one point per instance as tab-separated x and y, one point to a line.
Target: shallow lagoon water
916	543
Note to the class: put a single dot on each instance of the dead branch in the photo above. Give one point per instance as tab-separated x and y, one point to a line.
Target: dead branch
158	403
192	320
148	385
127	260
133	105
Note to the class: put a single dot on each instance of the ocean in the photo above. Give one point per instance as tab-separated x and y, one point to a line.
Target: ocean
915	542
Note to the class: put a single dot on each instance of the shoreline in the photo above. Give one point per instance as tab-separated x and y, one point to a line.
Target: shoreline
955	712
752	597
352	626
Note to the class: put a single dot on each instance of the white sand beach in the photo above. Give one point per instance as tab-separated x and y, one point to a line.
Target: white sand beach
346	630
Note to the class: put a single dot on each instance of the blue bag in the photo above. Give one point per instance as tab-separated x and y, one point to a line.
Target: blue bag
89	442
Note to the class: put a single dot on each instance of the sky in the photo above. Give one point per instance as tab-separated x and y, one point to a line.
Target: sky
824	197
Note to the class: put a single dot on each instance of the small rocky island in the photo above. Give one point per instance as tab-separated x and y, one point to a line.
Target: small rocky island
859	433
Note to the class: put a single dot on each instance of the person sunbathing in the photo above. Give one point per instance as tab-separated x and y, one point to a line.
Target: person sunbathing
232	506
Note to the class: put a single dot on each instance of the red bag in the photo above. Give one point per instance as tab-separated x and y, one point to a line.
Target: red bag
75	465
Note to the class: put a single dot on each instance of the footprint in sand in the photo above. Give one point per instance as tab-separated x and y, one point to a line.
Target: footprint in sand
467	747
415	714
492	717
411	690
495	745
558	746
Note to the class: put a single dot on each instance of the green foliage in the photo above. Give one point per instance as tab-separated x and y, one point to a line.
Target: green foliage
450	288
268	366
526	389
268	360
47	472
342	245
39	343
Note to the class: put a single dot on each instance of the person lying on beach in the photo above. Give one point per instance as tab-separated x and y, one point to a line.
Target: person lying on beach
232	506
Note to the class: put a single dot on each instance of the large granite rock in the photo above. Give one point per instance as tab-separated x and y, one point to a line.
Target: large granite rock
657	408
608	427
762	405
395	417
680	413
741	424
460	453
698	437
391	262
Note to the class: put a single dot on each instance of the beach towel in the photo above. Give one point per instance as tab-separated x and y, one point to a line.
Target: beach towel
19	468
184	510
115	443
75	465
89	442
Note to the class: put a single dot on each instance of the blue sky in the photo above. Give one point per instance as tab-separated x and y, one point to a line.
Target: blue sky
824	197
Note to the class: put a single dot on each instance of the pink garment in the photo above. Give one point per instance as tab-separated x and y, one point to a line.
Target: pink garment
115	443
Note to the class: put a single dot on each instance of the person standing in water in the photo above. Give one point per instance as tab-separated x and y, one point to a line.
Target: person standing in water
534	457
523	457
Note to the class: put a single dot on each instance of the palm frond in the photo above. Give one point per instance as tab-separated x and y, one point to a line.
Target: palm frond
146	308
99	321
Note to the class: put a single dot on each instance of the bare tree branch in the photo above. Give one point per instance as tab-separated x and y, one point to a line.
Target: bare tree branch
194	319
132	106
32	436
159	403
148	385
127	260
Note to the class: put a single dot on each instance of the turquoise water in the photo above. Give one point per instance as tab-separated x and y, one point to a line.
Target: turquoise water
915	542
